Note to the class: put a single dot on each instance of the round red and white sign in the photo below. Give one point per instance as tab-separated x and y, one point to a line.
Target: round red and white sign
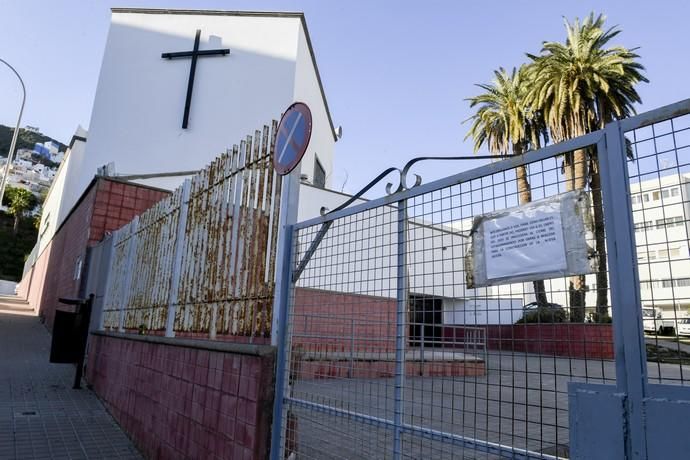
294	133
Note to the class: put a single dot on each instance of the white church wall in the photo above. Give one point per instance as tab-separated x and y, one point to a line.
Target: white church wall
308	90
140	98
359	253
311	199
482	311
63	192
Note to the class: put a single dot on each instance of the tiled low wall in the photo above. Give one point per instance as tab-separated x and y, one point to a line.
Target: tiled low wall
183	398
328	369
568	340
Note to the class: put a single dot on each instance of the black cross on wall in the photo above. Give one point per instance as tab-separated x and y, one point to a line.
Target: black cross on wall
194	54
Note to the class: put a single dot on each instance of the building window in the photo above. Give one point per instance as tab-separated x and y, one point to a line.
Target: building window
642	226
669	222
667	283
46	224
77	268
669	192
319	174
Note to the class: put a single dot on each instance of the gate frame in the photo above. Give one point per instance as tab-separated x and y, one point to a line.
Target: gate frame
629	347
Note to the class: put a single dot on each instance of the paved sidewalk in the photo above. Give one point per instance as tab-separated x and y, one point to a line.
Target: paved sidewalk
41	416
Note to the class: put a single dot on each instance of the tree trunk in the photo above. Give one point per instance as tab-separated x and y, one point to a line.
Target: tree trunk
576	179
524	189
525	195
15	228
600	239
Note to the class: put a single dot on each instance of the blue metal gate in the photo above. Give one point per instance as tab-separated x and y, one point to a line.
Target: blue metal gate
385	351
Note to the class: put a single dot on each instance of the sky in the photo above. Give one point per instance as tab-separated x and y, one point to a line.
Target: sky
396	73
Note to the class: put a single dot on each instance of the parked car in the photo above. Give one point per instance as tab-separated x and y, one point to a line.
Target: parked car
649	320
683	326
672	326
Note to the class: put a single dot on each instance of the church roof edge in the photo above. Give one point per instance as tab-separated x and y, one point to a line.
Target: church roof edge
277	14
284	14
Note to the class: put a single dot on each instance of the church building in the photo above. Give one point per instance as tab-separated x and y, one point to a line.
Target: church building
176	89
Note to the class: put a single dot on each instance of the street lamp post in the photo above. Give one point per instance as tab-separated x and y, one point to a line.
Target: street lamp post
10	153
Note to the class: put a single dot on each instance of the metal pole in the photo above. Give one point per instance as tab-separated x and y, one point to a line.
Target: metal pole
284	289
421	344
84	310
628	334
6	175
350	372
400	328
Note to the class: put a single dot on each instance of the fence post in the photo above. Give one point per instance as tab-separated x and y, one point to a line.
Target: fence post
177	259
629	342
401	312
421	344
284	291
126	286
107	280
350	372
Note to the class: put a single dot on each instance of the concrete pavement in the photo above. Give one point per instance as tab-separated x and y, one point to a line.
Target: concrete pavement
41	416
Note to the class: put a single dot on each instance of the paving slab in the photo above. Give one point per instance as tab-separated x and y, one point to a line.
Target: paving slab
41	416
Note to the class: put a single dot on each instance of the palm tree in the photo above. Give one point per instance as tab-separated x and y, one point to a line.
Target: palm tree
19	201
507	125
579	86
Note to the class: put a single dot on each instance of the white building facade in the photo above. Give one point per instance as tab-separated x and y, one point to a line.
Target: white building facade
660	211
136	123
140	99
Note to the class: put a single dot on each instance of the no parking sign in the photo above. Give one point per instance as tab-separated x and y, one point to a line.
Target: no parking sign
294	133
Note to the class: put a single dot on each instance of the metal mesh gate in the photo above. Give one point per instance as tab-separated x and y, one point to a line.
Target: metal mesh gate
390	354
660	203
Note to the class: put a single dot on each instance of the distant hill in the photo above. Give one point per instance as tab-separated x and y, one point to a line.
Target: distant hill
25	140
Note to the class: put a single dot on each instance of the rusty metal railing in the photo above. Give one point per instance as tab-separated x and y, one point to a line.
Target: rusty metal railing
202	261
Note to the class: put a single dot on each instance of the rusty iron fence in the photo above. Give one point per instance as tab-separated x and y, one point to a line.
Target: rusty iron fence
201	262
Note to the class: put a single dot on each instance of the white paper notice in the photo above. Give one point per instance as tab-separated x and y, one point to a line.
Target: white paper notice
524	243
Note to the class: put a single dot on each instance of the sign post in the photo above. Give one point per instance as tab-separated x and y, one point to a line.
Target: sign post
294	133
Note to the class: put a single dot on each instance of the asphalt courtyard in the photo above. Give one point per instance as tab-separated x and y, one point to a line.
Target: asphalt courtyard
521	404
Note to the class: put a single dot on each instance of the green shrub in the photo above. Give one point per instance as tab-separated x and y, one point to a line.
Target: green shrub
543	315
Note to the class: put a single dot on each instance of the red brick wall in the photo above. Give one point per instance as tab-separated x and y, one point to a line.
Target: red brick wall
332	315
31	286
183	401
571	340
106	206
67	246
117	203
